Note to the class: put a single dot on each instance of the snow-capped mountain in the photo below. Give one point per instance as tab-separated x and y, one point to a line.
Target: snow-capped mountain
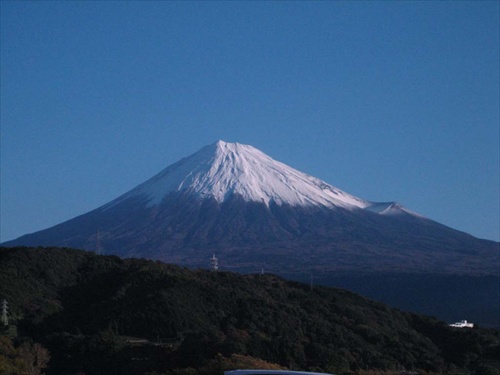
256	212
222	170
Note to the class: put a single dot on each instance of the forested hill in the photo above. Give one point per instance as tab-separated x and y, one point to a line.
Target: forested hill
102	314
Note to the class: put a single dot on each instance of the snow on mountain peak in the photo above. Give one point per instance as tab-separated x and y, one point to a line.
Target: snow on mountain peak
224	169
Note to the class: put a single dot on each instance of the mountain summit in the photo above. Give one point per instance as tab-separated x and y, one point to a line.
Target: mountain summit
255	213
223	170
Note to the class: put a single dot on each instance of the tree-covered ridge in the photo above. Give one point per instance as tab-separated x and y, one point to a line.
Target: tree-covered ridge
83	306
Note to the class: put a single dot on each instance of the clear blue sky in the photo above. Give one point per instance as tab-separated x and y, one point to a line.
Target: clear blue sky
385	100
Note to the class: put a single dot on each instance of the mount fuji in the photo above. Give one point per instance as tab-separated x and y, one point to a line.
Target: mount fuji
223	170
256	213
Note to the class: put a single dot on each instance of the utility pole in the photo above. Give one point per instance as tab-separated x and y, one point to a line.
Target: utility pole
98	242
5	307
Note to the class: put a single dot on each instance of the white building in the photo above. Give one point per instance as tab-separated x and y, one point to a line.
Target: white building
462	324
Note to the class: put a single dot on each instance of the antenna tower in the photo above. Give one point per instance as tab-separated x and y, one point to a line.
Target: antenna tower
214	263
5	307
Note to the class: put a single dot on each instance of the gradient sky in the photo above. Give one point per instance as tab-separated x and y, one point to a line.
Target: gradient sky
389	101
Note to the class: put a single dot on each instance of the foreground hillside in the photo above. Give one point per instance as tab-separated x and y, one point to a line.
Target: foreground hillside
105	315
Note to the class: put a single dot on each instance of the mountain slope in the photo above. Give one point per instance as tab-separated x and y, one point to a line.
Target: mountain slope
255	213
